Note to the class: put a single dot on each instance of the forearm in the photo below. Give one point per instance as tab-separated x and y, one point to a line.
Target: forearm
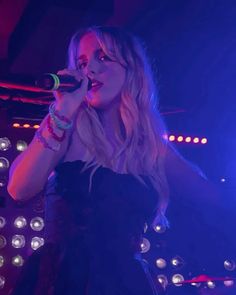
187	180
30	170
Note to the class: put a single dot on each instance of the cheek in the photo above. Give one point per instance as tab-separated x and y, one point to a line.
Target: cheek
116	78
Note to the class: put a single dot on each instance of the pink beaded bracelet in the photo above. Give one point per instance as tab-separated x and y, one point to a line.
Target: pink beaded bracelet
61	121
54	135
40	138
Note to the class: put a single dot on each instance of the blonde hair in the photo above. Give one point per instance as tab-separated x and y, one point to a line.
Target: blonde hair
142	145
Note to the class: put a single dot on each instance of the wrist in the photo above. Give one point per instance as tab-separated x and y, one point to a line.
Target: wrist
61	121
42	135
54	132
64	110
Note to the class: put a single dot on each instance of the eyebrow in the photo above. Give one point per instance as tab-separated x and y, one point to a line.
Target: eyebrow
83	56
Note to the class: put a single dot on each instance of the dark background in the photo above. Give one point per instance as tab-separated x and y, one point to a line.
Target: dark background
192	45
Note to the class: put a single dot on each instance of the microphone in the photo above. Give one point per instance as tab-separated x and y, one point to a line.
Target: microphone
54	82
44	83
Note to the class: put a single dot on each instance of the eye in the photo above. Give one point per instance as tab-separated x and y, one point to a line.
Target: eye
82	65
104	57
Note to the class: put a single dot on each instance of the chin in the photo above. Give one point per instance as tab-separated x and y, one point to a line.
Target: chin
97	104
103	103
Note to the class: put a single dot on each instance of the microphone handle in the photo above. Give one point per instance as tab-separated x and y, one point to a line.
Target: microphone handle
54	82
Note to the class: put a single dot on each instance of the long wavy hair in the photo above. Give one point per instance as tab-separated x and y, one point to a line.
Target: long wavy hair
142	146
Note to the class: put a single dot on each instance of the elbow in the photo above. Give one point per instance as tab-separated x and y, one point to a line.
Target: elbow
17	194
14	193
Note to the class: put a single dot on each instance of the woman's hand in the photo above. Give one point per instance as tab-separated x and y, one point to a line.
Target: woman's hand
67	103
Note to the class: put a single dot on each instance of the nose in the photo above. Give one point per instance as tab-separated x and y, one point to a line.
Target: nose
93	67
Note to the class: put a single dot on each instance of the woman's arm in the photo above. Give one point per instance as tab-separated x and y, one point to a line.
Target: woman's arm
30	170
187	180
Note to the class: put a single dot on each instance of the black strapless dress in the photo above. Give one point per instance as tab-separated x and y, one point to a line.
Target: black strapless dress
92	239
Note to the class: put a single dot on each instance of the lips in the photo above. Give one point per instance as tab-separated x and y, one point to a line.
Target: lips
96	85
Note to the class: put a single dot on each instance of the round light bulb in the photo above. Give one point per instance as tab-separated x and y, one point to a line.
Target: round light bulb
37	242
177	279
17	260
161	263
18	241
2	221
37	223
162	279
3	241
145	245
2	282
5	144
20	222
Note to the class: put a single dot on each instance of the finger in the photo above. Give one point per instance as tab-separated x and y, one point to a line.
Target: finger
62	72
67	72
84	85
74	73
79	76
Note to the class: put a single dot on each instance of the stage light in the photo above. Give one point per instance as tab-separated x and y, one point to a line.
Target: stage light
21	145
4	164
211	284
188	139
20	222
17	260
16	125
229	265
204	140
3	241
165	136
229	283
171	138
145	245
1	260
145	227
5	144
162	279
26	125
161	263
177	262
177	279
222	180
159	228
36	126
3	182
37	242
180	138
2	282
196	284
37	223
18	241
2	221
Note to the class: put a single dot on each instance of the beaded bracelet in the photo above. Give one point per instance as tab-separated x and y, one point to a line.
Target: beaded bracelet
61	117
54	135
61	121
40	138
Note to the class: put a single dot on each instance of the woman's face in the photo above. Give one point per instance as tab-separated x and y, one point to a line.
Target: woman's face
107	75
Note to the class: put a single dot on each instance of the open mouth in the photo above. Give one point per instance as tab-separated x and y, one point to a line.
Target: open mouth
96	85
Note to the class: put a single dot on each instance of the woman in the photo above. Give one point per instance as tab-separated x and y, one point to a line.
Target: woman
108	164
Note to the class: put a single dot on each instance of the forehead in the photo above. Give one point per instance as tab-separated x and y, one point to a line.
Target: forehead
88	41
88	45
